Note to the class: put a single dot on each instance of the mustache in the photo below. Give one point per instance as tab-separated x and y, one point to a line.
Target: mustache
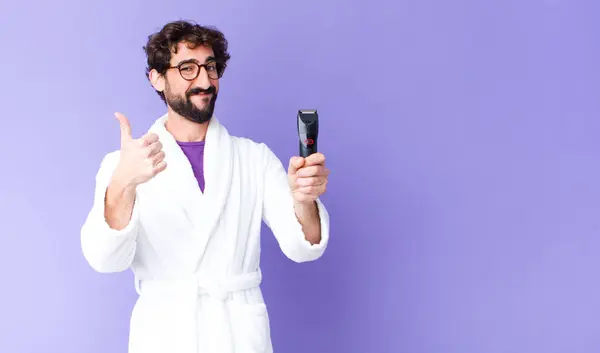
197	90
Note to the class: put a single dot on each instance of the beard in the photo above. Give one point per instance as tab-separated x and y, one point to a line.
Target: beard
187	109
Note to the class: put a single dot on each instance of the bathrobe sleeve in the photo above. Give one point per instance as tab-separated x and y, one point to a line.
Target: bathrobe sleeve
279	215
105	249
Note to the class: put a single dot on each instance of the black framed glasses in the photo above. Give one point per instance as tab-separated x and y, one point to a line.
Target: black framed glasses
189	70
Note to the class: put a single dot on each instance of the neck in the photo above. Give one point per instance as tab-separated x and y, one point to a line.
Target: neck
184	130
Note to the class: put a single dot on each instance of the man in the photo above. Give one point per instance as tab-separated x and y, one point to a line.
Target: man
182	207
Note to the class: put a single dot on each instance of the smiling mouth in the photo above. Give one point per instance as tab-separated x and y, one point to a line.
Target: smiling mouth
202	98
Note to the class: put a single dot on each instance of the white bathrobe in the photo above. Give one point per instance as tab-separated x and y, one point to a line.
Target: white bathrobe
196	256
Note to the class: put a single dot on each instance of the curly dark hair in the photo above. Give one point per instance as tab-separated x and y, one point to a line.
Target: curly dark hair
160	45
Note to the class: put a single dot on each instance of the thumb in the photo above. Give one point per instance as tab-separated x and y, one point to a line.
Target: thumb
125	128
295	164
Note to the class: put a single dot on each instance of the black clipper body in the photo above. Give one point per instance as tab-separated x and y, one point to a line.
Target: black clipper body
308	131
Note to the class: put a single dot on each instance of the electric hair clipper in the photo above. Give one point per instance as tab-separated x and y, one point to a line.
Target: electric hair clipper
308	131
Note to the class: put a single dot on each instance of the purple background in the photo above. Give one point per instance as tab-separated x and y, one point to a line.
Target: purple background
463	139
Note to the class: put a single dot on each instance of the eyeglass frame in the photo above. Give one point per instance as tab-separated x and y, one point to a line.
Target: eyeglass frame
210	61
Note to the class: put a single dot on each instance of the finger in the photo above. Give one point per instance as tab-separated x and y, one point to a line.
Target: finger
125	128
150	138
315	170
157	158
312	190
162	165
154	148
305	195
315	158
308	181
295	164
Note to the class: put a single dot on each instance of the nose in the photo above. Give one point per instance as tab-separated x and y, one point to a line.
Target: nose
203	80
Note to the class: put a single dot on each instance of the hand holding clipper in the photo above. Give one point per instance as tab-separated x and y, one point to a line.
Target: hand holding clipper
307	174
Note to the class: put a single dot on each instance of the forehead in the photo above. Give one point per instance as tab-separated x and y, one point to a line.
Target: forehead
185	52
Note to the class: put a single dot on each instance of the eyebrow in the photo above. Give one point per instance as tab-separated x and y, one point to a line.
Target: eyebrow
208	59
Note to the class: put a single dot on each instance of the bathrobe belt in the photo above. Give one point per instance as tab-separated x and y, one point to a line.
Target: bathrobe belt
186	292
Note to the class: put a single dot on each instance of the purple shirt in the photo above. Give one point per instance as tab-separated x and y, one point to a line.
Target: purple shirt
195	154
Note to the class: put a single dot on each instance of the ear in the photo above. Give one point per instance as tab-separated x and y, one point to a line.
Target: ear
157	80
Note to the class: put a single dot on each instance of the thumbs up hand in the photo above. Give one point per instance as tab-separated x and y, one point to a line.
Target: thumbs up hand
308	177
140	159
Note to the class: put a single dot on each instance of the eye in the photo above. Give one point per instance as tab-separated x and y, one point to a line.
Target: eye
188	68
